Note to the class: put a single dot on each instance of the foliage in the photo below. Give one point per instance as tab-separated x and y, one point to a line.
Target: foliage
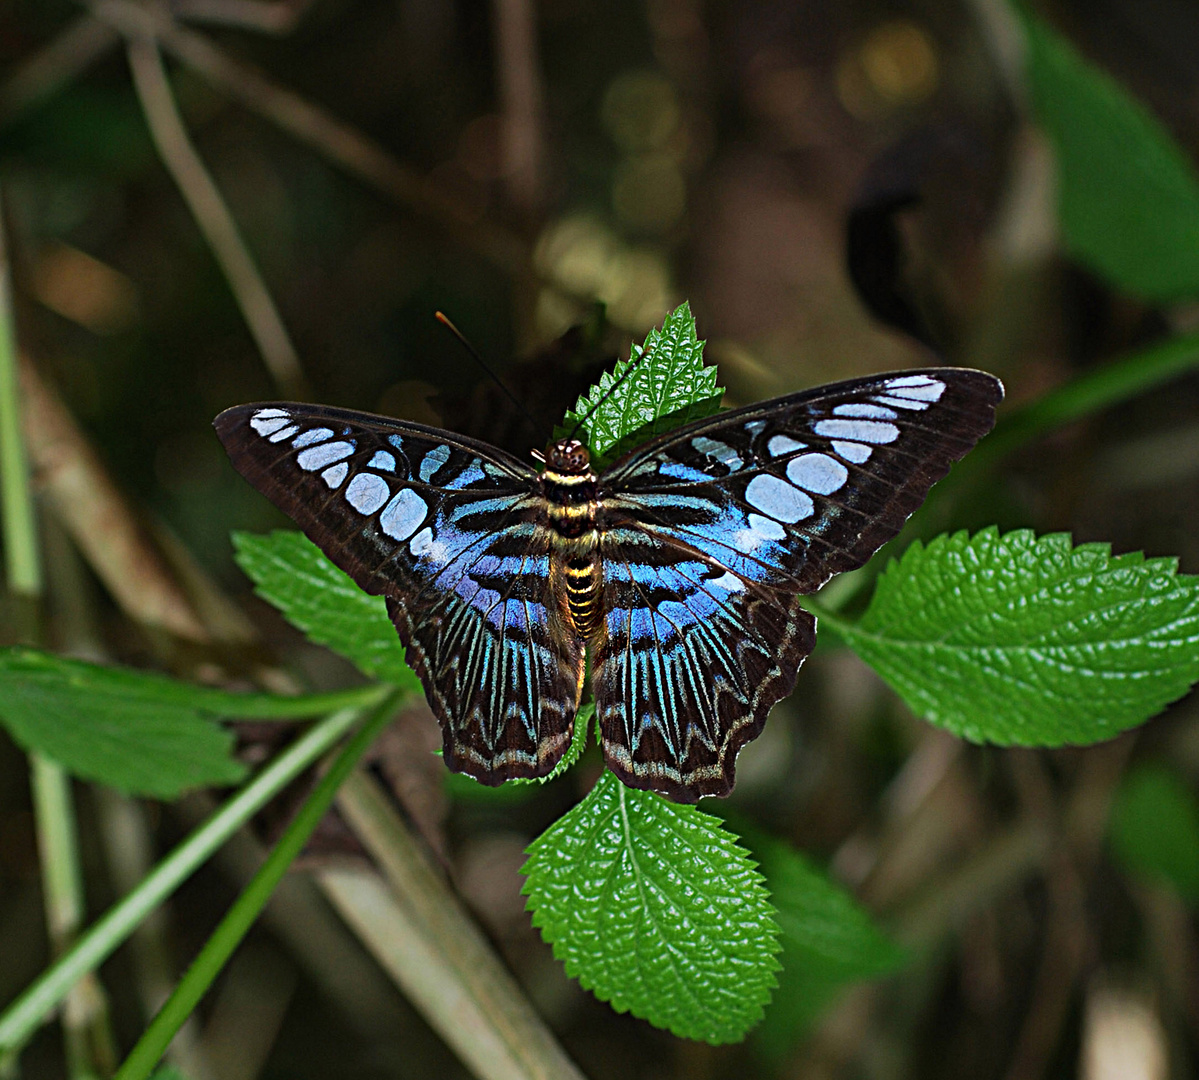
1155	829
1128	195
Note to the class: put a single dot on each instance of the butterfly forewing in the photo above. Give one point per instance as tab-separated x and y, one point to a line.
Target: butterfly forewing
450	532
711	533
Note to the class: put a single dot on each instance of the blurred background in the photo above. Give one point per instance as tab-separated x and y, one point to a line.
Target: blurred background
274	199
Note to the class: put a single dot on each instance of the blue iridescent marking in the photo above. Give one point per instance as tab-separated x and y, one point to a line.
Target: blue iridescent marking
334	476
852	451
683	472
472	474
783	444
396	441
718	451
433	461
383	461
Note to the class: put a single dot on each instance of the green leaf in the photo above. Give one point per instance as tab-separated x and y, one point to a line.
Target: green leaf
669	387
657	909
1155	829
829	941
1028	641
138	732
289	571
1128	196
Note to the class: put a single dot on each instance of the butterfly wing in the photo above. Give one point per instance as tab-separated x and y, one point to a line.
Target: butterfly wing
709	535
451	532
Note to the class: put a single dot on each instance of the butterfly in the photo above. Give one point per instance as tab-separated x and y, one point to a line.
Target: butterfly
680	566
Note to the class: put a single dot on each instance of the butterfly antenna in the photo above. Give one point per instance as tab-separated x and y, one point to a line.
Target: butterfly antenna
633	366
444	320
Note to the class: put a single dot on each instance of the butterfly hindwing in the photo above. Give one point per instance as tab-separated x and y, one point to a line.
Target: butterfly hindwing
709	535
448	530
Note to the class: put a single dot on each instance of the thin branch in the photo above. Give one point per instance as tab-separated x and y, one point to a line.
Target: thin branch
212	216
97	516
265	16
55	66
521	97
340	143
423	936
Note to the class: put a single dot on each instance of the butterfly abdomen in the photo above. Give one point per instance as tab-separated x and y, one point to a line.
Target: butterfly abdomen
570	491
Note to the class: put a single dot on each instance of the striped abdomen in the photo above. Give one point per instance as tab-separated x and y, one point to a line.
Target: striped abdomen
570	506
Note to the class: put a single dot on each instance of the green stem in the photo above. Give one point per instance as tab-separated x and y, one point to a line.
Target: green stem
22	561
1105	386
219	947
22	1017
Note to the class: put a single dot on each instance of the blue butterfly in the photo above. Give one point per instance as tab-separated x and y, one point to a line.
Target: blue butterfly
680	566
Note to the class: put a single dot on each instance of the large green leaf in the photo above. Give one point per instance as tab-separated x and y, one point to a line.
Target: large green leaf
829	941
289	571
141	733
1031	641
655	908
1128	195
1155	829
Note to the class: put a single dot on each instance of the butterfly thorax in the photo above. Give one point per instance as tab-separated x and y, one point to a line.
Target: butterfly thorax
570	489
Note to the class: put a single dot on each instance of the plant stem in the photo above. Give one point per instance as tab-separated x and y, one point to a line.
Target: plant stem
219	947
22	1017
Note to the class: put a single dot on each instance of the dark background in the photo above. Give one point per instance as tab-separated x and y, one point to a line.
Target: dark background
511	166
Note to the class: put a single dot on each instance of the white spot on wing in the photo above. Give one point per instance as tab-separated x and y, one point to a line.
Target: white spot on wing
317	457
367	492
728	581
917	387
765	527
782	444
867	431
403	516
383	460
869	412
334	476
266	421
817	472
777	498
900	403
852	451
312	435
286	433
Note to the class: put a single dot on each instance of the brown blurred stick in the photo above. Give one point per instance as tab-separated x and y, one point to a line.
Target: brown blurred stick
97	516
435	951
213	217
340	143
55	65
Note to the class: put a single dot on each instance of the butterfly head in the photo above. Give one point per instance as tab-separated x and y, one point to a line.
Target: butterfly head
568	457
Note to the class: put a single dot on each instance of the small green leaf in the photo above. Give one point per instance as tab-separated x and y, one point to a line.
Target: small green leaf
141	733
670	387
657	909
1128	196
1155	829
829	941
289	571
1028	641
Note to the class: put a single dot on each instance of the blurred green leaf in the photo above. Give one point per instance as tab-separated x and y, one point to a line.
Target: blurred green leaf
829	941
657	909
669	387
1028	641
138	732
1128	195
1155	829
289	571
